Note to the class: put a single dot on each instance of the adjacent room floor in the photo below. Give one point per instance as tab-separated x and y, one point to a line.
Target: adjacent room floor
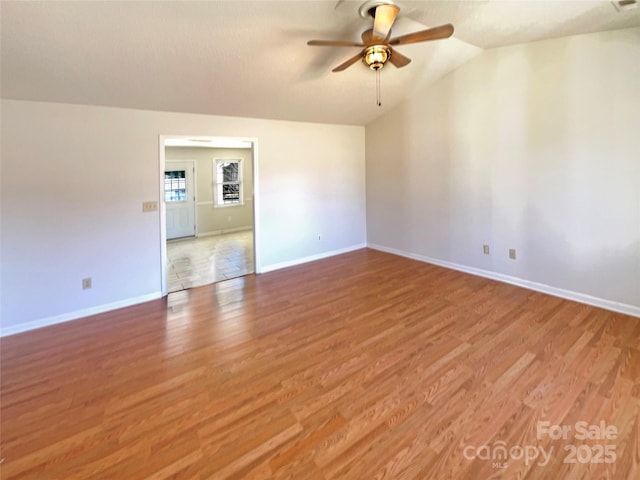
197	261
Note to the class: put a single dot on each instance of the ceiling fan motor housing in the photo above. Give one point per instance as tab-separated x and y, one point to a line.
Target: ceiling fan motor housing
368	8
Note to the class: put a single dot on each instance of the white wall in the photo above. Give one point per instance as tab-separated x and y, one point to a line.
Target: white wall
74	178
533	147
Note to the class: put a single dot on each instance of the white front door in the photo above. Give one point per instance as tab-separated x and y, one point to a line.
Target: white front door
180	199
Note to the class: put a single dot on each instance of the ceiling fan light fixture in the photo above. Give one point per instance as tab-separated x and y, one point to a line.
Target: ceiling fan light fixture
375	56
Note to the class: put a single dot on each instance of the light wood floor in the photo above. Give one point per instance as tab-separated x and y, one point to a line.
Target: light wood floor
196	261
362	366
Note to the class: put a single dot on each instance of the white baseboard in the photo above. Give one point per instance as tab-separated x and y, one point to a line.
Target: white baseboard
311	258
222	232
86	312
538	287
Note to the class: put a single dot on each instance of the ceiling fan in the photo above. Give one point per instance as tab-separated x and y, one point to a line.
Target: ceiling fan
377	44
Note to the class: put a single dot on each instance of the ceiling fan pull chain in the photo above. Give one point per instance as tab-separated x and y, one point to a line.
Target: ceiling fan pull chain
378	88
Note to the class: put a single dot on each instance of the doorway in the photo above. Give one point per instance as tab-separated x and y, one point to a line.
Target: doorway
217	239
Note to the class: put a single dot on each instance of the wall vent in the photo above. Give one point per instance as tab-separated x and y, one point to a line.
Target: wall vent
623	5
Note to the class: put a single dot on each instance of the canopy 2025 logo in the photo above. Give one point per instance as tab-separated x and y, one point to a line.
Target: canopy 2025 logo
597	451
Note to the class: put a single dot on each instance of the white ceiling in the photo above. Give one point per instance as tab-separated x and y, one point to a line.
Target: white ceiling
250	58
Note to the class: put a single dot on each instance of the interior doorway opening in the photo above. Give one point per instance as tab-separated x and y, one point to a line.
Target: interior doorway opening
208	214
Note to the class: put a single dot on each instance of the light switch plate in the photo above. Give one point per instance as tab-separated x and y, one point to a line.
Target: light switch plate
149	206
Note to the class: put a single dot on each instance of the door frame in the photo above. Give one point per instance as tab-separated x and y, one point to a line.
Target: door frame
164	282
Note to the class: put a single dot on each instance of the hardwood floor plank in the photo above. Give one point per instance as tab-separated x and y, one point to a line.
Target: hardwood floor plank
360	366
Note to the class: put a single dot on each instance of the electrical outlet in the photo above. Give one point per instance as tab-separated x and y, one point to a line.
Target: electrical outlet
512	253
485	249
86	283
149	206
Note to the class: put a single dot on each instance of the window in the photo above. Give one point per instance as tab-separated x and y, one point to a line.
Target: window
175	186
228	182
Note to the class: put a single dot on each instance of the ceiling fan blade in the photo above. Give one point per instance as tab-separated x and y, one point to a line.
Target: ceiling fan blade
333	43
443	31
384	17
367	37
348	63
398	60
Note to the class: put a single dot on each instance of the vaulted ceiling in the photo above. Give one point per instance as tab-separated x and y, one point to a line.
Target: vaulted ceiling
250	58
